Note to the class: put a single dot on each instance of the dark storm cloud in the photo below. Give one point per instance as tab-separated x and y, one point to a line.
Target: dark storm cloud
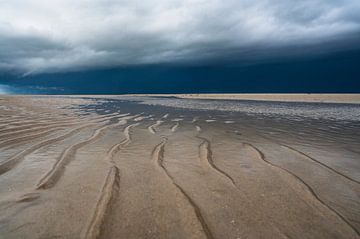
62	35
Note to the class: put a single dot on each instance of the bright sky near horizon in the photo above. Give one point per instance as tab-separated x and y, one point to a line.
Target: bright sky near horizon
39	36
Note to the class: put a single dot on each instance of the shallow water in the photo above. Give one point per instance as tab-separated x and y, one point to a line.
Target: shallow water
338	123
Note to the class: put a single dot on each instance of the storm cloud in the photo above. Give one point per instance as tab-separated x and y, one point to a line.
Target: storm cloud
65	35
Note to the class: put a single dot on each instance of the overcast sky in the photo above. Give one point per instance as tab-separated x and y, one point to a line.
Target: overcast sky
63	35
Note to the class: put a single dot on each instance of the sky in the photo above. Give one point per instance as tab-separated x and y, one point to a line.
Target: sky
65	38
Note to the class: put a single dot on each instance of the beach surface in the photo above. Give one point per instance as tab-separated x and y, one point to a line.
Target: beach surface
165	167
326	98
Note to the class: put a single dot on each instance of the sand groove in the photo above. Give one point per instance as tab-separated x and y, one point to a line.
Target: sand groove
158	157
112	116
205	155
152	128
309	188
109	189
13	161
19	121
108	192
23	127
51	127
52	176
16	141
141	118
318	162
23	123
28	197
174	127
35	130
123	143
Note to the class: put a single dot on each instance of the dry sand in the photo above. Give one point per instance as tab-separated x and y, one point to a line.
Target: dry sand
65	173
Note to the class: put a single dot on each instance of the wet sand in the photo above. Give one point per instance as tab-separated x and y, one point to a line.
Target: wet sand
80	167
327	98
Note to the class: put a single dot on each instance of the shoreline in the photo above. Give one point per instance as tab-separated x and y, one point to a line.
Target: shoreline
298	97
314	98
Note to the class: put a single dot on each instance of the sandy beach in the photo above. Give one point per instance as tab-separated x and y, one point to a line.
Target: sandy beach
138	167
322	98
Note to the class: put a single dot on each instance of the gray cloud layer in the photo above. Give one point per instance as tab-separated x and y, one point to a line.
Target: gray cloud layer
61	35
